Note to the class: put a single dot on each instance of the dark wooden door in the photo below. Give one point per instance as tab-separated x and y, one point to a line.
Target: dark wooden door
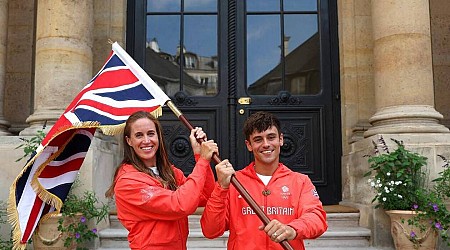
223	60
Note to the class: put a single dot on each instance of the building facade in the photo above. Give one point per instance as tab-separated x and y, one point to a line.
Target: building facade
367	68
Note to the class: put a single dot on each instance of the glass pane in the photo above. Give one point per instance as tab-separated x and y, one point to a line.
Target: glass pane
302	54
302	5
163	38
263	54
200	5
264	5
200	55
163	5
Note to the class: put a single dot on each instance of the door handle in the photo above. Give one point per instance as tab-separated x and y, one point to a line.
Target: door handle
245	100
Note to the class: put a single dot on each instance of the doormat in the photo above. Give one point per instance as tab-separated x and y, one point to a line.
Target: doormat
340	209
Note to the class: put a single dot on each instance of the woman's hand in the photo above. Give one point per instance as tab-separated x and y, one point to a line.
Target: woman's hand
197	133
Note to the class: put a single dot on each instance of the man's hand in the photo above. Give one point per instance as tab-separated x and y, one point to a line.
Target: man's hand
278	231
224	171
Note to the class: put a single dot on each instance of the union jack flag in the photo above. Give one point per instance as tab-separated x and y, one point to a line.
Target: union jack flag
119	89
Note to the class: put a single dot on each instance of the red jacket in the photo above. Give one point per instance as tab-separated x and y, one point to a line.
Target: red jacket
292	200
156	217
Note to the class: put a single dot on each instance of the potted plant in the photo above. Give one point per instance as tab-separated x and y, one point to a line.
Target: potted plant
74	226
416	208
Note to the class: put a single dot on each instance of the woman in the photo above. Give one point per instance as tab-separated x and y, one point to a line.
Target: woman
154	198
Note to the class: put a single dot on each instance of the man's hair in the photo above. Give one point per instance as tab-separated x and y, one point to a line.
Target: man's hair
259	122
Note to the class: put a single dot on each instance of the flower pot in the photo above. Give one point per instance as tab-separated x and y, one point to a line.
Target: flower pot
401	232
47	235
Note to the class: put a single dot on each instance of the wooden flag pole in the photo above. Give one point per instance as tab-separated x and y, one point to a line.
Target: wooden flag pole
242	191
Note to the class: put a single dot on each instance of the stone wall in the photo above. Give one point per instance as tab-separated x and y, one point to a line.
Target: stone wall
440	36
356	72
18	102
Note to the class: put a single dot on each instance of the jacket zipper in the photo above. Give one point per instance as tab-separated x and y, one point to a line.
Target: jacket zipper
266	193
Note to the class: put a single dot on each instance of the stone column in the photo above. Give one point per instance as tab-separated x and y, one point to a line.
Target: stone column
3	35
63	58
403	73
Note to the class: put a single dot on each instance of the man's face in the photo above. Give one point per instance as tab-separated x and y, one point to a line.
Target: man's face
265	146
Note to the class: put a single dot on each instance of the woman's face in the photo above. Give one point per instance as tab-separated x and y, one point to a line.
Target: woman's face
144	140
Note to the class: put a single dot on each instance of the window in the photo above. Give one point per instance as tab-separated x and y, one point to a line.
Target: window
182	31
282	47
279	44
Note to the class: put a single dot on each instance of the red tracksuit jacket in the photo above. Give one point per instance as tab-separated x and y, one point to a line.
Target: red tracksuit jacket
155	217
292	199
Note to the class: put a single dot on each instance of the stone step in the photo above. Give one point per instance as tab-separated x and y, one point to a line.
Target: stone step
117	238
347	248
196	240
343	219
309	248
343	237
114	221
334	236
343	232
112	238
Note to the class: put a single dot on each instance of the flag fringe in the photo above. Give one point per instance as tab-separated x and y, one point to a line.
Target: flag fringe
118	129
62	129
112	129
13	219
157	112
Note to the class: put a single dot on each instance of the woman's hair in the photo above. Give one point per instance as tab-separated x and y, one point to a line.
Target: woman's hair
166	174
259	122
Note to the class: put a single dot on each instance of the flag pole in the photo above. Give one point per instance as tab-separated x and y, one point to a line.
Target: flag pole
236	183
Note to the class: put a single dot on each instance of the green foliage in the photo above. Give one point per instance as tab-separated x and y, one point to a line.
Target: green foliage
398	177
80	211
443	181
30	145
400	182
431	211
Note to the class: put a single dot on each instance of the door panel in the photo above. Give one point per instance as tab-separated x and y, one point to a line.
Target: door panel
177	135
291	71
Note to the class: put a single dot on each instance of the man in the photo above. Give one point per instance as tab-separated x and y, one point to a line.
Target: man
288	198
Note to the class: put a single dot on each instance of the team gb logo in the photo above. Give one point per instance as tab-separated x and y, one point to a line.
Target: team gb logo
285	192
